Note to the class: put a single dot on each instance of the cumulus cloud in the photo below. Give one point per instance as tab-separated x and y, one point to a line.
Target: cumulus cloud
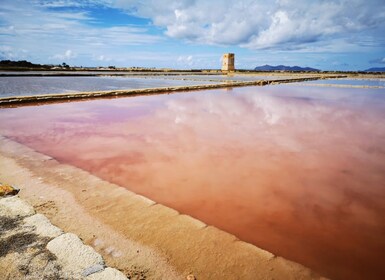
68	54
306	28
63	33
260	24
186	60
102	58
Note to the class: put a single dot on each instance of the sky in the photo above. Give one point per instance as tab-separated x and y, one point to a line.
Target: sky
193	34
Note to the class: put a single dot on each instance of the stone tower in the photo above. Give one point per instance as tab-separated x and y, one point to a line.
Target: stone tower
228	62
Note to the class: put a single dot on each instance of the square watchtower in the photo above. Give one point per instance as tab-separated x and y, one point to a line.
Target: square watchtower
228	62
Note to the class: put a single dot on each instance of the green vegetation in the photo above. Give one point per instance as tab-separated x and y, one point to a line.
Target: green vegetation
22	65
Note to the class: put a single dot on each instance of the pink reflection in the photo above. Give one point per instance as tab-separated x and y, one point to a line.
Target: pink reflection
298	171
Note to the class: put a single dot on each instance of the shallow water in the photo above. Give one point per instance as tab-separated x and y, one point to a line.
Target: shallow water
350	82
37	85
19	86
298	171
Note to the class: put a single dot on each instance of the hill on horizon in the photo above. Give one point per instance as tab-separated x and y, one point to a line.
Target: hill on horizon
284	68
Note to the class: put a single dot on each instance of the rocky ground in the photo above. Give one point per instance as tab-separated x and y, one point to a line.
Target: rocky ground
32	248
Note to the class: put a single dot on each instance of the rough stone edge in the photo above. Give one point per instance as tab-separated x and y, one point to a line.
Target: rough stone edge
15	207
19	208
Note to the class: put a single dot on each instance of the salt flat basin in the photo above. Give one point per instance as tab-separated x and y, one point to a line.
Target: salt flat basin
24	85
296	170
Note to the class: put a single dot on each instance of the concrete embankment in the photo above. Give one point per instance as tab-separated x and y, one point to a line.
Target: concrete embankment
47	98
141	238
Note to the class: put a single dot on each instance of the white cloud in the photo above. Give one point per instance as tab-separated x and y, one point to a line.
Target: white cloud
40	29
68	54
186	60
282	24
102	58
63	34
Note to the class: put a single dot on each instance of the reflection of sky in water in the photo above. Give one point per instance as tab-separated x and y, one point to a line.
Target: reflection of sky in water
295	170
352	82
16	86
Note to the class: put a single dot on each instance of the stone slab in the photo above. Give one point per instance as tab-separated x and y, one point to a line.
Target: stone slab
13	207
108	273
72	254
42	226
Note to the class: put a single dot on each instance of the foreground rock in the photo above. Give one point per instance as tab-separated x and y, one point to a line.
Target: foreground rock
32	248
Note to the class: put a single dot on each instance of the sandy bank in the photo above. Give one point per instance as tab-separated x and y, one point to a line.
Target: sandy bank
134	234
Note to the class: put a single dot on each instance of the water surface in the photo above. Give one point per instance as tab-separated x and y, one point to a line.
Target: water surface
298	171
350	82
19	86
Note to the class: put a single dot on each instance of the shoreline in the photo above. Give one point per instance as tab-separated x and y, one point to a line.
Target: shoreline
131	232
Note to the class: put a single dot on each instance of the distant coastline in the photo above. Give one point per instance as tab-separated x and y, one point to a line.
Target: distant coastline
23	65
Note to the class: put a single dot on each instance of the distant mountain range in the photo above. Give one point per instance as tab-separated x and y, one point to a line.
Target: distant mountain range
284	68
306	69
375	69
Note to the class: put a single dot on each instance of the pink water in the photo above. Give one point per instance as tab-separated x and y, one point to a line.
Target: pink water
298	171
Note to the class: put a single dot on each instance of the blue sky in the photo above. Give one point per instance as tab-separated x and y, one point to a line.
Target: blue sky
325	34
